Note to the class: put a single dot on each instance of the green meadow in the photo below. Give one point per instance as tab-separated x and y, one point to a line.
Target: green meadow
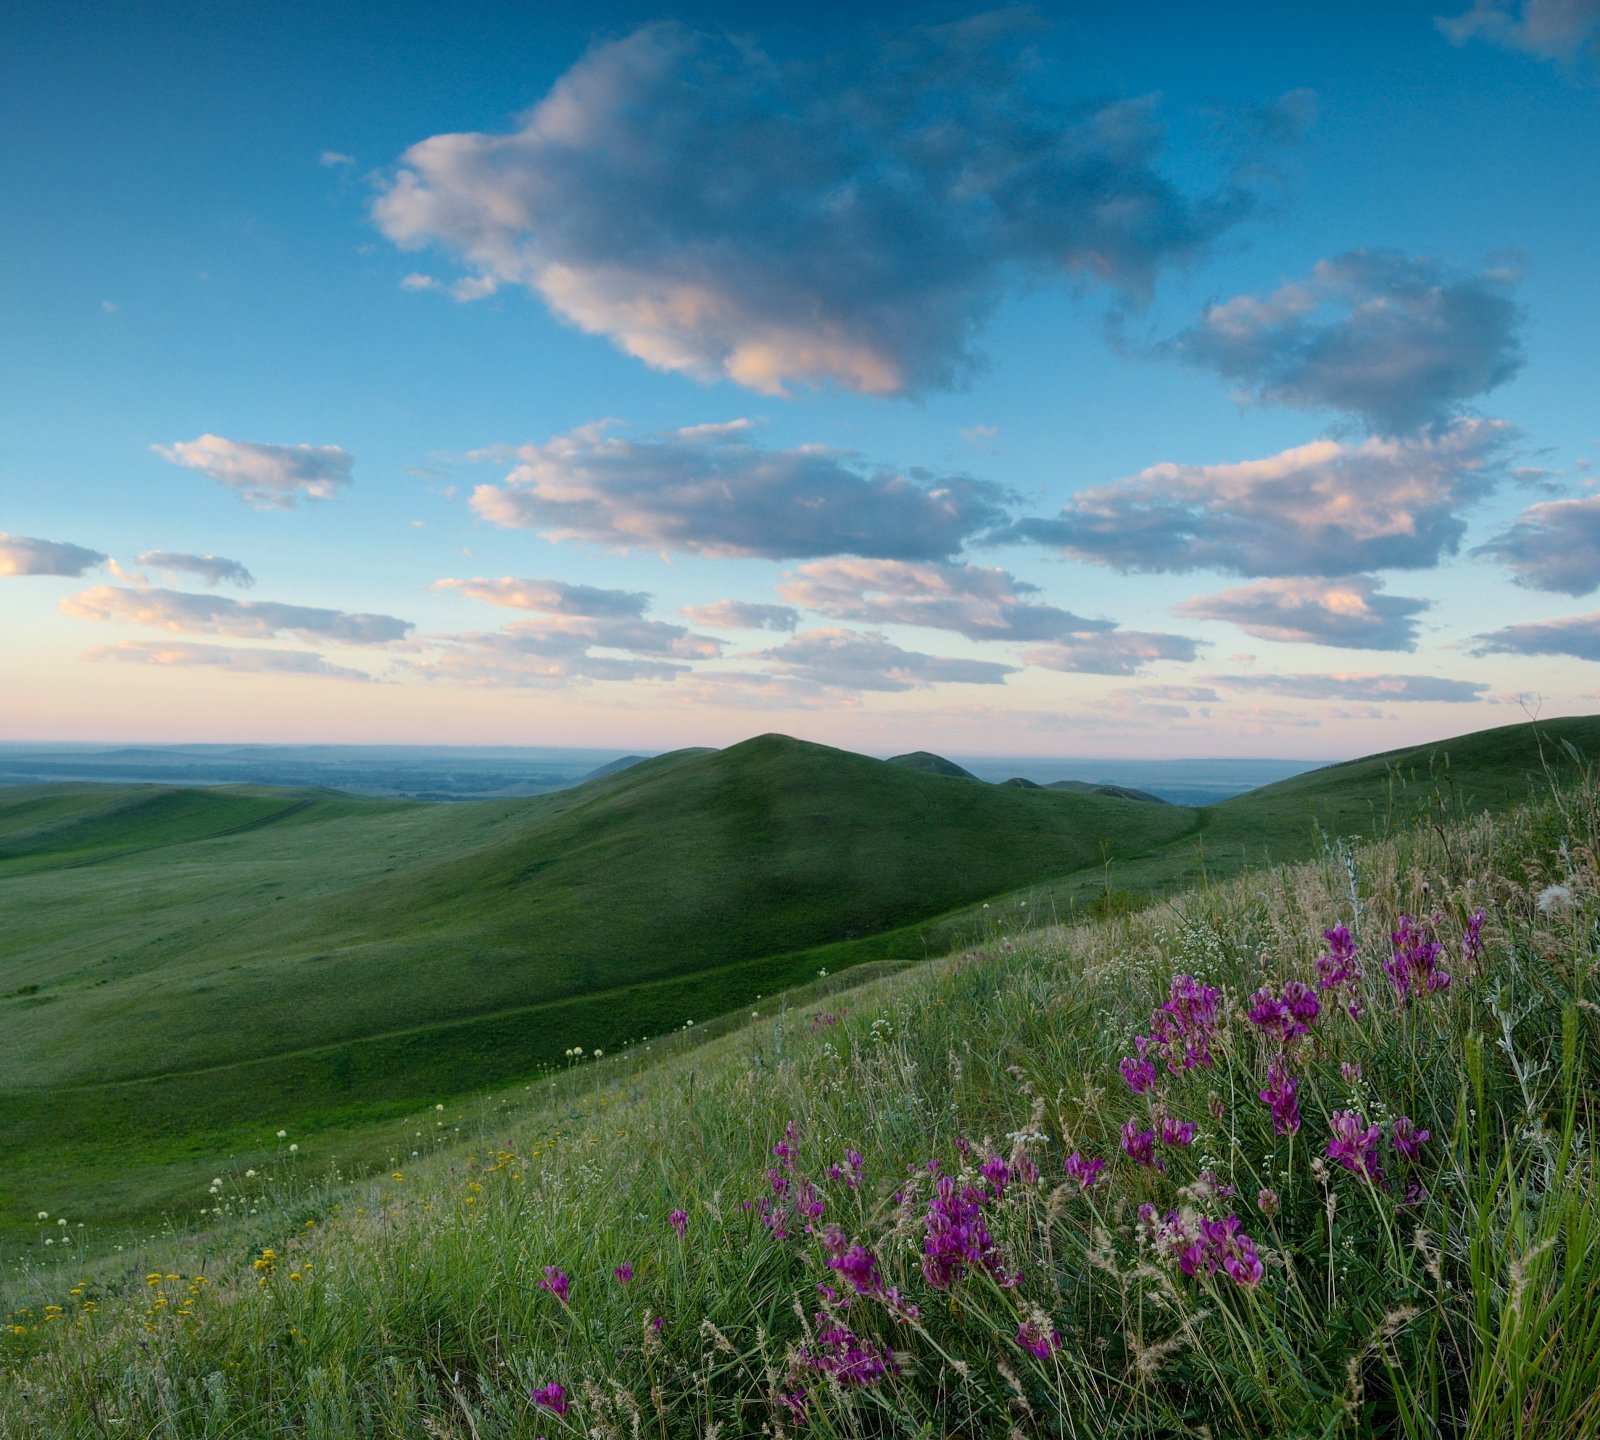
923	1200
185	972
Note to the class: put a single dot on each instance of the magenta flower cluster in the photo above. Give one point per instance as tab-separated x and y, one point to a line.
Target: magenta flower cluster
1280	1093
846	1356
1338	970
957	1239
556	1282
1285	1017
1202	1247
1085	1172
552	1397
1038	1339
1181	1028
1413	967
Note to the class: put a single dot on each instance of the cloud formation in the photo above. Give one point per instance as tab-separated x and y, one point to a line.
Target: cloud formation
1118	652
1400	341
270	477
192	614
528	655
1381	688
552	597
743	615
1324	509
212	569
1564	31
716	211
852	661
1347	612
1576	635
24	555
709	490
1554	545
982	603
238	659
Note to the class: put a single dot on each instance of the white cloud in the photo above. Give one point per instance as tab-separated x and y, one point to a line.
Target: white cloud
237	659
335	160
25	555
1554	545
266	476
1324	509
1347	611
1400	341
1564	31
742	615
717	211
707	489
1575	635
193	614
212	569
851	661
1120	652
1367	687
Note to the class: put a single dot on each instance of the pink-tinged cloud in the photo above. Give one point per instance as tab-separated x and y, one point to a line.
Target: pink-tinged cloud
1575	635
269	477
552	597
1118	652
1368	687
1348	612
1554	545
982	603
716	211
25	555
742	615
1401	341
850	661
194	614
236	659
212	569
709	490
1324	509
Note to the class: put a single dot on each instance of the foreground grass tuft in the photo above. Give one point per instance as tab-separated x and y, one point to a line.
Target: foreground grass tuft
1308	1153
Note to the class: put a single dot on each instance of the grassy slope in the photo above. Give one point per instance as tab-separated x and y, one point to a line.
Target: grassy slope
412	1307
199	968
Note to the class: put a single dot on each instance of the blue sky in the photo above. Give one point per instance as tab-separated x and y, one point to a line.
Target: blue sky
1164	380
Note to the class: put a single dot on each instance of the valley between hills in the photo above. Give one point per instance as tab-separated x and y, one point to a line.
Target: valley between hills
185	972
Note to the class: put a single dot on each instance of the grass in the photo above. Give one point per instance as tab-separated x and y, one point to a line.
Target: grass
187	971
1457	1295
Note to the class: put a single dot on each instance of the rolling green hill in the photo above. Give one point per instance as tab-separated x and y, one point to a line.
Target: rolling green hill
185	971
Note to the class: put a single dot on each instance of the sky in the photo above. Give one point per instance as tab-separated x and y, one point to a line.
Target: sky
1146	380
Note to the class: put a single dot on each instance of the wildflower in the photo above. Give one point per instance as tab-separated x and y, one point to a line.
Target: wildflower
1287	1017
796	1401
957	1239
679	1220
1139	1146
1208	1184
1139	1070
1472	940
658	1323
1185	1023
848	1358
552	1397
1408	1140
1338	970
1413	968
1037	1339
1267	1202
624	1272
1280	1095
1355	1145
1176	1132
556	1282
997	1173
1085	1172
859	1266
1553	899
1350	1071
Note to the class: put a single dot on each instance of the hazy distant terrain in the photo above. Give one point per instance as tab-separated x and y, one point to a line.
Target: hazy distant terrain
443	772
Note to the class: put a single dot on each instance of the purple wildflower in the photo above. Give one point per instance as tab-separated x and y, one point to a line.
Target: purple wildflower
847	1357
997	1173
1280	1095
859	1266
1355	1145
1286	1017
1202	1247
1038	1339
1140	1146
1185	1023
1350	1071
1176	1132
1338	970
1025	1170
679	1220
658	1323
556	1283
552	1397
1085	1172
1416	1194
1413	969
956	1238
1267	1202
624	1272
796	1401
1209	1184
1408	1140
1139	1070
1472	940
1241	1262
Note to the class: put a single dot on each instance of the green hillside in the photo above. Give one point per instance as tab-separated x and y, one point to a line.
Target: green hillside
184	972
